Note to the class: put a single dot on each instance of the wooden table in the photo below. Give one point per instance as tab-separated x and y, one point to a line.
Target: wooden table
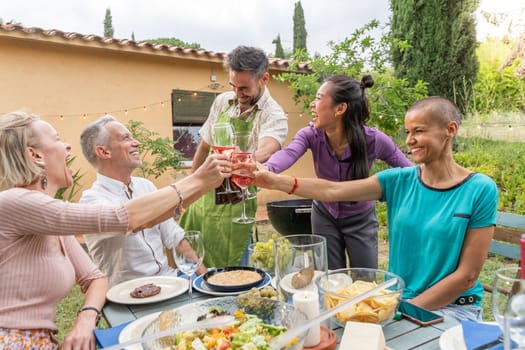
399	335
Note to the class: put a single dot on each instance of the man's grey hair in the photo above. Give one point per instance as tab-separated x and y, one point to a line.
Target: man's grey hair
95	135
246	58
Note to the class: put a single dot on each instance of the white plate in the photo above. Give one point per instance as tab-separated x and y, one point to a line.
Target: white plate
170	287
135	329
452	339
286	283
200	285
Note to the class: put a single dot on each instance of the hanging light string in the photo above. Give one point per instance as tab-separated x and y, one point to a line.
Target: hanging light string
178	98
125	111
141	108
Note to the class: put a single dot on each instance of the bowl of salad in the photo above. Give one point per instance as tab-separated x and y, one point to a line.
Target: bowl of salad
256	321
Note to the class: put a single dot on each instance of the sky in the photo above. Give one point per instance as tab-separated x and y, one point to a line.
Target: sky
221	25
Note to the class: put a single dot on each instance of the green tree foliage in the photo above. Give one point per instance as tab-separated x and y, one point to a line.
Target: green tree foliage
355	56
108	24
133	36
299	28
174	42
279	51
497	90
441	38
157	153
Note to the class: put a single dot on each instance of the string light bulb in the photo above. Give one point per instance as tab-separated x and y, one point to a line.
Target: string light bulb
125	111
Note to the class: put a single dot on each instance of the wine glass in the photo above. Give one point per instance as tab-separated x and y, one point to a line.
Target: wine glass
243	140
505	305
189	260
243	164
224	143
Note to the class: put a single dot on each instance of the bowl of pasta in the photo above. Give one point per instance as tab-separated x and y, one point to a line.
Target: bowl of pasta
256	321
338	286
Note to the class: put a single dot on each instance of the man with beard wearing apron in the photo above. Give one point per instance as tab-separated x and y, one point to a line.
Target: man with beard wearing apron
249	107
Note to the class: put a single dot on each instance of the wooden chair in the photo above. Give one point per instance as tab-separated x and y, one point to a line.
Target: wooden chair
506	240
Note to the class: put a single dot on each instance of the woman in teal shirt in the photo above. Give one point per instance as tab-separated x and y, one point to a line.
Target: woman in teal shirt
441	216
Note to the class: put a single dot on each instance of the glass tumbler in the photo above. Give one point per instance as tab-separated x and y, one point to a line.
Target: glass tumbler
299	260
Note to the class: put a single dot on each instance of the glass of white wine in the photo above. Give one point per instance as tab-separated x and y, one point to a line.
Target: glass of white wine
189	260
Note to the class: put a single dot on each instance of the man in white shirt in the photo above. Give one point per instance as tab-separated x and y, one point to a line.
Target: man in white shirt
248	108
109	146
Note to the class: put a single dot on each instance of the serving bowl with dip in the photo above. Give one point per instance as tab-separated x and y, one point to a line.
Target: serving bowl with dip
233	278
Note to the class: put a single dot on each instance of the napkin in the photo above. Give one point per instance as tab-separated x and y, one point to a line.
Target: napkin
109	336
477	334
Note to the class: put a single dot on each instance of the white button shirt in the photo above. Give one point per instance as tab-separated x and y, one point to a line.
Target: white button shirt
140	254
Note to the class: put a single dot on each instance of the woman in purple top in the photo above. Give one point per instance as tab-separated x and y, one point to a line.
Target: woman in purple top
343	148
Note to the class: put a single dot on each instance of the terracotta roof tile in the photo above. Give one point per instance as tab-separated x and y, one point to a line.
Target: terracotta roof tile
276	63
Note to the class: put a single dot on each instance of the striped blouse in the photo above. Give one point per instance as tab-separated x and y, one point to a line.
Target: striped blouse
38	267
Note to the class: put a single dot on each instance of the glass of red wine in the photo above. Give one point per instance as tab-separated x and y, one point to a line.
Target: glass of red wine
243	164
224	143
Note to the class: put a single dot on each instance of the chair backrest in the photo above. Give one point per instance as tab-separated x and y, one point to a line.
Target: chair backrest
509	228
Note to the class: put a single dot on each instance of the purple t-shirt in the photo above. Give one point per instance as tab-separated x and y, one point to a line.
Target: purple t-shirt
328	166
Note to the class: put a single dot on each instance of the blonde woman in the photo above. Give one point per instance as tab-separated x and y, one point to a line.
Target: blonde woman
40	259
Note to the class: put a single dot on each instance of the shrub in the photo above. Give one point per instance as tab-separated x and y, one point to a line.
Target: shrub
157	153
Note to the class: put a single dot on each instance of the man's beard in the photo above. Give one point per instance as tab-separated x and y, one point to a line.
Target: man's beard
253	99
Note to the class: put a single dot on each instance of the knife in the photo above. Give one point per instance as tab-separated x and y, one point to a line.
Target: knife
490	344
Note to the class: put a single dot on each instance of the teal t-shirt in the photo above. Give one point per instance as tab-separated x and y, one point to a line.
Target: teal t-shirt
427	226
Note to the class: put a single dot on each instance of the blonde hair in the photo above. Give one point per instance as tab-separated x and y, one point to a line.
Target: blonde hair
17	168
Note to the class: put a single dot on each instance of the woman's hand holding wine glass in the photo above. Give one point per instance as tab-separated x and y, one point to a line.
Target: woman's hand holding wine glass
224	143
243	166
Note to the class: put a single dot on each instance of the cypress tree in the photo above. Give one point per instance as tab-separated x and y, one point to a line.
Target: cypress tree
279	51
439	39
108	24
299	28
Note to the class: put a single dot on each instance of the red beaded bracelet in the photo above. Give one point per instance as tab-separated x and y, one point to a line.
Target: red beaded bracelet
295	185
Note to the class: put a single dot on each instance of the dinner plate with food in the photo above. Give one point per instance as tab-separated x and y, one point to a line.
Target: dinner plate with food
231	280
135	329
255	321
146	290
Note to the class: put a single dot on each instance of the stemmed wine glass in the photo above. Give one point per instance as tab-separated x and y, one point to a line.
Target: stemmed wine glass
243	142
224	143
243	164
506	285
189	260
